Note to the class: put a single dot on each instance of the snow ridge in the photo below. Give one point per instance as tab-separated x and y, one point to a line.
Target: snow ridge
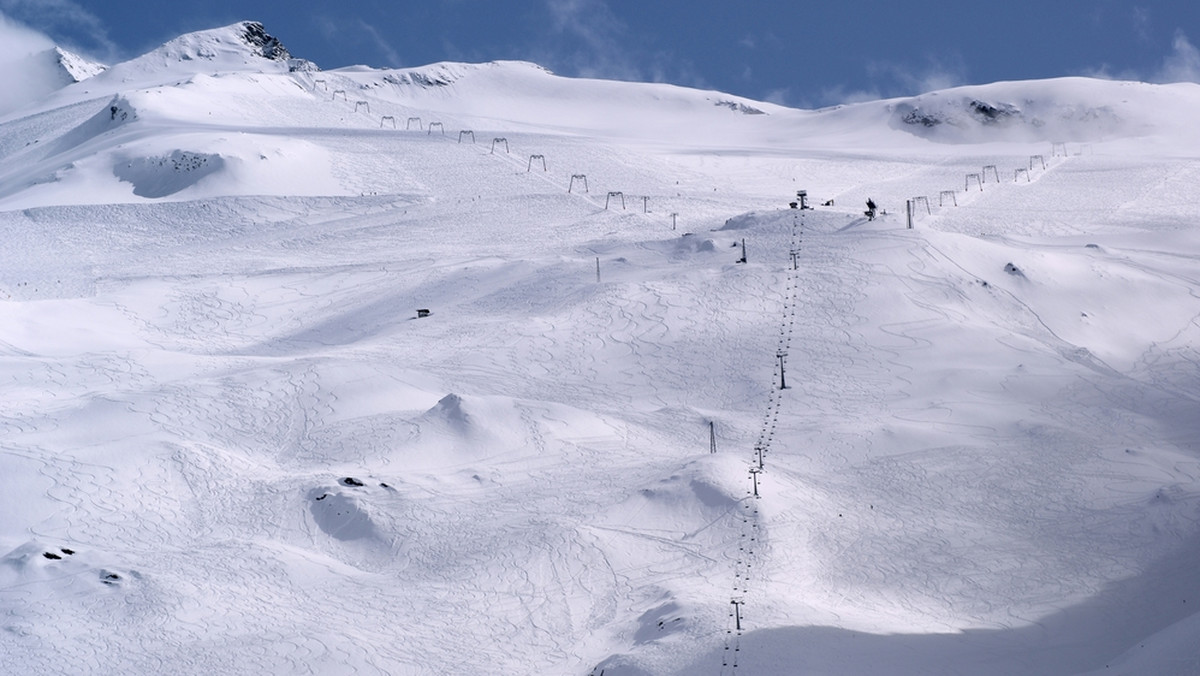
77	67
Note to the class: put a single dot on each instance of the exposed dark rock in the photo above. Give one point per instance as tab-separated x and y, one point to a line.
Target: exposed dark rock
267	45
419	79
740	108
917	116
991	114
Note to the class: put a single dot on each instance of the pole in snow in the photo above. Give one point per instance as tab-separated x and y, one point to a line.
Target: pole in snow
645	205
597	269
673	216
782	378
795	259
759	450
754	476
737	613
743	258
712	436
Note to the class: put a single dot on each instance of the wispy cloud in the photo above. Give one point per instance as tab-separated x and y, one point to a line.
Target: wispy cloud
1182	64
384	47
782	96
598	39
1106	72
22	79
896	79
587	39
357	31
18	41
1141	23
68	22
891	80
843	94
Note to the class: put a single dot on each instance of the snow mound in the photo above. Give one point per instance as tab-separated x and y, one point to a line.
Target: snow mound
451	413
759	219
682	506
690	244
341	515
683	493
468	429
359	521
168	174
59	571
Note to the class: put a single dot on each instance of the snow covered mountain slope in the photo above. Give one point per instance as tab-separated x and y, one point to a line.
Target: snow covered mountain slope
1066	109
420	372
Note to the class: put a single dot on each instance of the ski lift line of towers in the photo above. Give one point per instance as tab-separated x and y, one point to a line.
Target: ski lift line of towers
974	182
744	560
746	568
534	160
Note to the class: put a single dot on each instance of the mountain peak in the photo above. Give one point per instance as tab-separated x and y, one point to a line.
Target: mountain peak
268	46
233	47
76	66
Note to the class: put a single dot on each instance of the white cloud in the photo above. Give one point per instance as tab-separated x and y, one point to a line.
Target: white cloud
596	34
903	81
357	30
23	78
840	94
1106	72
1141	23
75	27
781	96
18	41
1182	64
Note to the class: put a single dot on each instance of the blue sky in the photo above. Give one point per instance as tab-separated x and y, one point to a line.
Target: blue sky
803	54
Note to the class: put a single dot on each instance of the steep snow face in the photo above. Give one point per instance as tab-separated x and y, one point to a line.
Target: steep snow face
77	67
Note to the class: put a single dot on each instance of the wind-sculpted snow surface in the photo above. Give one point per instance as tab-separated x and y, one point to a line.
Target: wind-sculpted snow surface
291	390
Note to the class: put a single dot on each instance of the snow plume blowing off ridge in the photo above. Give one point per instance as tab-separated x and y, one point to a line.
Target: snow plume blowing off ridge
23	79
